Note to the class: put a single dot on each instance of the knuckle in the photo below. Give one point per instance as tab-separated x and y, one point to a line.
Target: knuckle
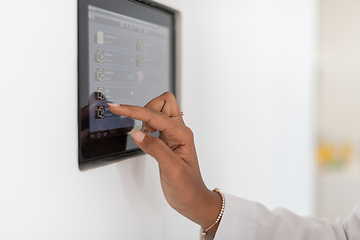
186	133
169	94
189	132
152	103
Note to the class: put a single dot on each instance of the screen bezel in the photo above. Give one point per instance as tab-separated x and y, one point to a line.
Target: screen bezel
144	10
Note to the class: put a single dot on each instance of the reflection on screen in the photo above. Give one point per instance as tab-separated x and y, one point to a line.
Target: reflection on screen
128	63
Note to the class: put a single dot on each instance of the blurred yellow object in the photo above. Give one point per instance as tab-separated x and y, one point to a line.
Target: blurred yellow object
326	153
330	154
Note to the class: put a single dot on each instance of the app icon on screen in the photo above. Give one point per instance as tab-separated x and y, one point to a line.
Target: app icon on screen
140	45
100	112
99	37
140	61
100	75
100	56
100	93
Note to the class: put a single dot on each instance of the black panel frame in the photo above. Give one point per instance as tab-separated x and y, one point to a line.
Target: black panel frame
143	10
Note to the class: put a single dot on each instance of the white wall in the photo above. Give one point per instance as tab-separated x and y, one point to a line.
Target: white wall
248	83
248	93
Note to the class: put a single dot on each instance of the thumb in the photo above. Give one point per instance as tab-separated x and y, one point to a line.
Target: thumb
155	148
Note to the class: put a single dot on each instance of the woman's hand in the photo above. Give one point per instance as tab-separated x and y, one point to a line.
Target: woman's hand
175	153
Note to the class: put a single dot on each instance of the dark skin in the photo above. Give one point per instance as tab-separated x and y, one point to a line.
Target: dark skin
174	150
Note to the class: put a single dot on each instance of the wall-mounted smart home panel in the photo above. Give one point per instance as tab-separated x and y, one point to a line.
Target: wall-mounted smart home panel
127	55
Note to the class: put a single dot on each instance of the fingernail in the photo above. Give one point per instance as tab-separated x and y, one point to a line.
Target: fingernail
113	104
137	135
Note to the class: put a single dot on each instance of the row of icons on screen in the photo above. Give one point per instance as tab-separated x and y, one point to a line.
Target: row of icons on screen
100	58
124	25
98	135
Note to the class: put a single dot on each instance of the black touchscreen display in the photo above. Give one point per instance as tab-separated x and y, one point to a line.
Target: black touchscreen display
129	61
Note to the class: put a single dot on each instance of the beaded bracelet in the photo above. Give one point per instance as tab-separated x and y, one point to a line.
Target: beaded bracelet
204	232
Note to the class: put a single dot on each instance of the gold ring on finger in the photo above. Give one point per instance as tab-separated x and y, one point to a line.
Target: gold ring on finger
177	115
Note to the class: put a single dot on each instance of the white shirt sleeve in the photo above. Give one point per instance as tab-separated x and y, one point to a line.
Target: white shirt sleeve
246	220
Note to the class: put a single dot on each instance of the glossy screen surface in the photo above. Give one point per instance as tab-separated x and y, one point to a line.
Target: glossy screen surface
128	61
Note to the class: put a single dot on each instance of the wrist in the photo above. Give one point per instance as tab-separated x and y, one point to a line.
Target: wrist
211	230
206	210
212	205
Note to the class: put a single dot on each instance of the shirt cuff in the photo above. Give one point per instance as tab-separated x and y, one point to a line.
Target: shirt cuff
239	219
